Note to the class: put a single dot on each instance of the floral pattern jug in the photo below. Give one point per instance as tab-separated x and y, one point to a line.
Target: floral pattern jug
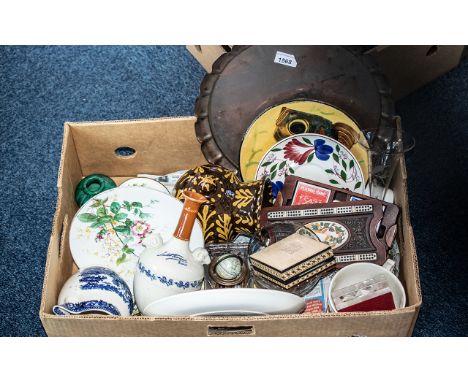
234	205
165	269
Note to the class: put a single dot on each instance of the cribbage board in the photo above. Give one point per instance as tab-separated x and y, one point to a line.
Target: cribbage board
325	193
358	224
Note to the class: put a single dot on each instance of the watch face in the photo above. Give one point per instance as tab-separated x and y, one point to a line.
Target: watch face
228	270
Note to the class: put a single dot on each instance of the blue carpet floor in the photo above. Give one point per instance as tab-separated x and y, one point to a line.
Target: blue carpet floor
41	87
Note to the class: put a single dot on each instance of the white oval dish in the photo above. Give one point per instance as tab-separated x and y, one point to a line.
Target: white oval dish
235	301
145	182
112	235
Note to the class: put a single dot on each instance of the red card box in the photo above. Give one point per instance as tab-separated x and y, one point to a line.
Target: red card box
382	302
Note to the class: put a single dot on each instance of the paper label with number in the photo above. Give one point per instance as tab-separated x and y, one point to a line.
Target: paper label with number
285	59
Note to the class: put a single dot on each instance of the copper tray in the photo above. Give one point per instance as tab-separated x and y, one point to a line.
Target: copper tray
246	81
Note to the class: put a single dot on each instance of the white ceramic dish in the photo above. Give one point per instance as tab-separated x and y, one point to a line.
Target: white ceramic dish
110	229
227	301
315	157
354	273
145	182
168	180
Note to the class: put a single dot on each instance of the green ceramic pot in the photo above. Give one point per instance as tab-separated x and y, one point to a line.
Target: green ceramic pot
91	186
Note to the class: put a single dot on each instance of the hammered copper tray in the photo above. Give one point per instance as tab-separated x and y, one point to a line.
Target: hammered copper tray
246	81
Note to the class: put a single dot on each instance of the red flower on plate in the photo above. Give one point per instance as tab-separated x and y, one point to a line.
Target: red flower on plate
140	228
298	151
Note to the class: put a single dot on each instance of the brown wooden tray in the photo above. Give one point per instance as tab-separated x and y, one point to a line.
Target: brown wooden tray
246	81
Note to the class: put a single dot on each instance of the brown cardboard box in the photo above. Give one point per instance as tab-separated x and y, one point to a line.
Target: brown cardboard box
166	145
407	67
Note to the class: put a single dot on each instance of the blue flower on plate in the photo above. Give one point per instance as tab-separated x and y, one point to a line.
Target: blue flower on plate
322	151
276	187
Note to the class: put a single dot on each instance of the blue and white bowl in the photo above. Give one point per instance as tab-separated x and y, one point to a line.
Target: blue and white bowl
96	290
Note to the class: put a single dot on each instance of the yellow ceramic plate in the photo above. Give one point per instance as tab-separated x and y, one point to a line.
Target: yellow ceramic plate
273	125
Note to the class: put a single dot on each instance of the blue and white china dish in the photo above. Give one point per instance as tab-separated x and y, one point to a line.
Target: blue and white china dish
95	290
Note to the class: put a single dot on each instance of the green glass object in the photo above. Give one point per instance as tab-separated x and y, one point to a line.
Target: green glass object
91	186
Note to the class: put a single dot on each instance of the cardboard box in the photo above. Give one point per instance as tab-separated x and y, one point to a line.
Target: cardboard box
166	145
407	67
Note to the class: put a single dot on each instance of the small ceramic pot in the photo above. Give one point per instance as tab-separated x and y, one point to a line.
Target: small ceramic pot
95	290
358	272
234	206
91	186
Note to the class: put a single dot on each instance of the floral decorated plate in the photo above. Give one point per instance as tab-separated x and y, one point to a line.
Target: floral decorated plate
110	229
312	156
332	233
145	182
298	117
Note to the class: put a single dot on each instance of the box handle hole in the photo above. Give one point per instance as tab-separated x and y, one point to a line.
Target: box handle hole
432	50
219	331
125	152
198	47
